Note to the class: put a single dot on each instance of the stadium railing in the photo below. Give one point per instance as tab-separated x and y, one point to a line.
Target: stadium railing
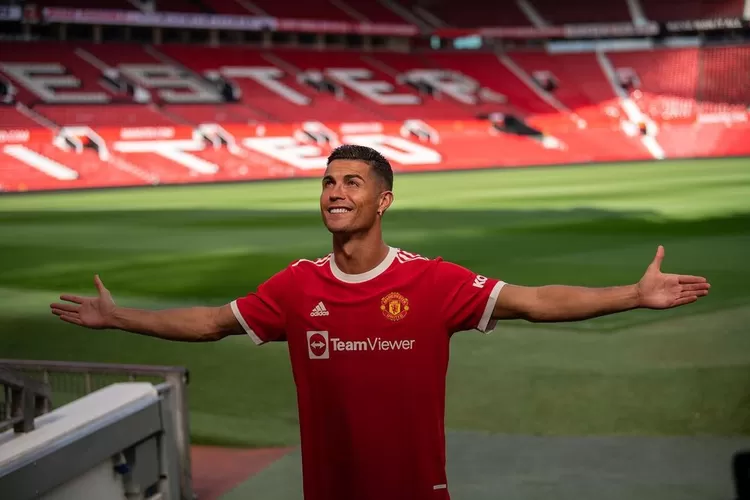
68	381
21	400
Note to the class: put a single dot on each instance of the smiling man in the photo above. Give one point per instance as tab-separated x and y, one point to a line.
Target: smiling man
368	330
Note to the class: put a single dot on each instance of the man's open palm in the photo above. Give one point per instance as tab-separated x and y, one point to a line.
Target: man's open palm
662	291
91	312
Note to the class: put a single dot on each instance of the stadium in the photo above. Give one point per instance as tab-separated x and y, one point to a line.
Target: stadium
175	148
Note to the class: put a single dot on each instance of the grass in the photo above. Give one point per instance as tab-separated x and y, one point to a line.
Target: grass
678	372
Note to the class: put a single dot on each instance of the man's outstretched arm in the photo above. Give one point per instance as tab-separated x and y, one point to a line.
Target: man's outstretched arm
193	324
557	303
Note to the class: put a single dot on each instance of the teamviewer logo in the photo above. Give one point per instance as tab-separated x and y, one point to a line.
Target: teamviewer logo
317	345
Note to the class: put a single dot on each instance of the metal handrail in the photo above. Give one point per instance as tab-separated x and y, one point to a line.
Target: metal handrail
84	367
176	376
25	399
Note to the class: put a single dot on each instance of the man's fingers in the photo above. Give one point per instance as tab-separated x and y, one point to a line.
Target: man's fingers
658	258
686	279
685	300
695	287
73	298
65	307
63	312
71	319
694	293
99	285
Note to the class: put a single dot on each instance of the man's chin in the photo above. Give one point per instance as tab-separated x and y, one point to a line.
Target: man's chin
338	228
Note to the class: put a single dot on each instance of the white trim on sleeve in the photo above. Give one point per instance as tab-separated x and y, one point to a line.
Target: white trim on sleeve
486	323
244	324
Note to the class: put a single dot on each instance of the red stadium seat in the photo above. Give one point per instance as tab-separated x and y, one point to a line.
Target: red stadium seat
667	80
179	6
581	84
300	60
121	115
473	13
488	69
303	9
86	4
262	101
21	61
725	75
12	118
375	12
230	7
667	10
147	103
582	11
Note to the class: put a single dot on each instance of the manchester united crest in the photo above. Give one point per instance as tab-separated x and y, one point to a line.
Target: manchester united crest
394	306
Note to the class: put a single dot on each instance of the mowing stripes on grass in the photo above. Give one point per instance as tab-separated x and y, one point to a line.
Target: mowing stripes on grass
675	372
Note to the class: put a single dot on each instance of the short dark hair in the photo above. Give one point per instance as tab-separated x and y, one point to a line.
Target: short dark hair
377	162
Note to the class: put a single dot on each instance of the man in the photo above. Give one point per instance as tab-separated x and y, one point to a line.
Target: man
368	329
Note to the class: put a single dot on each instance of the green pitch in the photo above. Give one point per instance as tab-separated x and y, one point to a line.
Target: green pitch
685	371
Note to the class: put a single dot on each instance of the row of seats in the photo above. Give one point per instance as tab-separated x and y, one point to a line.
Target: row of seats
43	166
678	83
66	84
473	13
468	14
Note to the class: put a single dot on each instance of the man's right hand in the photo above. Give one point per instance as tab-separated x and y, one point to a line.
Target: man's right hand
91	312
190	324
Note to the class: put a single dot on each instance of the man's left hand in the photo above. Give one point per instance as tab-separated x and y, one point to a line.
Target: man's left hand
657	290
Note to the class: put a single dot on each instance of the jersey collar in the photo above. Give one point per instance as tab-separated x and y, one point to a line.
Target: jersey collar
366	276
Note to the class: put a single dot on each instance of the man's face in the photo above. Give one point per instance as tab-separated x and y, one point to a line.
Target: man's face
351	197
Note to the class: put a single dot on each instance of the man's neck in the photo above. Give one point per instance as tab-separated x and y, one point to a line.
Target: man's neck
357	254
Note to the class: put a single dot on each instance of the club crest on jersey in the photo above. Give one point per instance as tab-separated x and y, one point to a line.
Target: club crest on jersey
394	306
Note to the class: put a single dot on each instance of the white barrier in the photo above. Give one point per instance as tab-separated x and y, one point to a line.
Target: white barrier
113	443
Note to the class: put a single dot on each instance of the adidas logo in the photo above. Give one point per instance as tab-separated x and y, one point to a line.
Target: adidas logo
319	310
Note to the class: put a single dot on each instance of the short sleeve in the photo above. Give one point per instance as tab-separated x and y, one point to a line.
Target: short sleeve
467	299
263	313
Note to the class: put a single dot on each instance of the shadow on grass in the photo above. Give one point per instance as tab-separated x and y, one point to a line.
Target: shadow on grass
246	396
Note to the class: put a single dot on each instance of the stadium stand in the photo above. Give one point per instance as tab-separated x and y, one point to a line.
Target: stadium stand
471	14
87	4
376	12
403	102
582	11
476	13
230	7
575	80
663	82
147	104
256	102
290	102
302	9
674	84
466	103
64	65
11	118
110	115
181	6
18	174
668	10
490	70
724	79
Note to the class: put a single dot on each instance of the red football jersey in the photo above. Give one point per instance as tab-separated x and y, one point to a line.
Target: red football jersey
369	354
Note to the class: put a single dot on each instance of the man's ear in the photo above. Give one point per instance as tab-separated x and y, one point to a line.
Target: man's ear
386	199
